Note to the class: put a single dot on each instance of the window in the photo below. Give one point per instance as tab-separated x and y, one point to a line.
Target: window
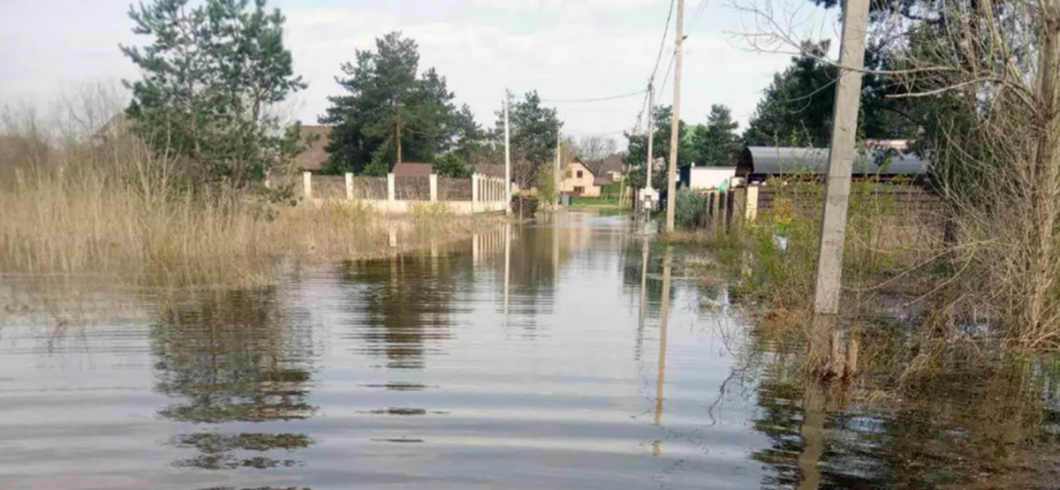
579	190
579	174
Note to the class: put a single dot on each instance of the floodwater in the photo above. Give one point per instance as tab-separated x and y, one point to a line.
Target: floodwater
550	356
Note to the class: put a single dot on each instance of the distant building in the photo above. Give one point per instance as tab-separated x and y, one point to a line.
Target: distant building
406	169
490	170
578	181
312	159
706	177
612	170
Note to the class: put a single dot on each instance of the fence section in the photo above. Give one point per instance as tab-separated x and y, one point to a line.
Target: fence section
412	188
897	216
329	186
369	188
450	189
393	194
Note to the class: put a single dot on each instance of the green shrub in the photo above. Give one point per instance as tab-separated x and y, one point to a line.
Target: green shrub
451	165
689	208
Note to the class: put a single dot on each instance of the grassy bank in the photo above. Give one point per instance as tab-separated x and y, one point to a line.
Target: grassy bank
599	204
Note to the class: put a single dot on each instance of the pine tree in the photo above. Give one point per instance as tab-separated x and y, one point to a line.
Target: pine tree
209	78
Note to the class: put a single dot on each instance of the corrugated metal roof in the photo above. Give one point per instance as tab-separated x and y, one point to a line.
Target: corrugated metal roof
767	160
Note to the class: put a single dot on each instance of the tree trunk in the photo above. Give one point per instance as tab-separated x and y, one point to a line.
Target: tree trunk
1043	206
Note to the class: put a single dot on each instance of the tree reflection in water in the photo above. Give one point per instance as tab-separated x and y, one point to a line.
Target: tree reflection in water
227	358
404	304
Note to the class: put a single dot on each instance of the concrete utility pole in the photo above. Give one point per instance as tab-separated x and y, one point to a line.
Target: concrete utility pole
556	178
675	127
507	158
651	134
841	156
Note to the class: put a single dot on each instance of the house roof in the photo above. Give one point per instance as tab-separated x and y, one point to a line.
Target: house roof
764	160
116	126
603	180
613	163
586	167
407	169
313	158
490	169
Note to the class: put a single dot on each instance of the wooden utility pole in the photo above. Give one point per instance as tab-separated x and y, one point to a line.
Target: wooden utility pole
841	156
675	127
507	157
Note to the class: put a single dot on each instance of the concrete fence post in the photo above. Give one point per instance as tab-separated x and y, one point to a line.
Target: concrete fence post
349	186
752	203
474	188
307	184
391	192
434	188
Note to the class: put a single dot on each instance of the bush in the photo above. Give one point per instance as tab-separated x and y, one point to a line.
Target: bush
689	208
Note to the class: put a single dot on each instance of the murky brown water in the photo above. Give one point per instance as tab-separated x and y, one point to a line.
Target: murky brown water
562	357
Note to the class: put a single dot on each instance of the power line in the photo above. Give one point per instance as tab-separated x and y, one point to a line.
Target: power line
594	99
662	42
670	68
700	10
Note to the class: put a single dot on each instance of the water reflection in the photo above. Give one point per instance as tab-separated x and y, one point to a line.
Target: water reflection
230	358
404	305
980	421
568	355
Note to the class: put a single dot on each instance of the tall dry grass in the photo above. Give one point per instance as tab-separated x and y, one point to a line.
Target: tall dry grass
74	203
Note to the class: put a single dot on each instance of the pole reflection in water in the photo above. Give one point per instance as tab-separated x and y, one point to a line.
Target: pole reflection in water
664	321
507	266
812	431
643	299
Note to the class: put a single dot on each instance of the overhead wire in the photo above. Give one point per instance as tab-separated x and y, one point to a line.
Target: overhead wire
593	99
700	10
662	42
666	78
655	70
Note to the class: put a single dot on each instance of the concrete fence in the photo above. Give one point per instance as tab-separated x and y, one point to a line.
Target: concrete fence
397	195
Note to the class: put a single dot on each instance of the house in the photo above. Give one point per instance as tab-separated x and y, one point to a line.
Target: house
407	169
612	169
578	181
312	159
115	128
490	170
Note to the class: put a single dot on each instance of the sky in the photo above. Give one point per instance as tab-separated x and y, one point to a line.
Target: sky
564	49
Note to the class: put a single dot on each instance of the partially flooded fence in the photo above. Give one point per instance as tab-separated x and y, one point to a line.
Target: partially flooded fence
891	216
402	194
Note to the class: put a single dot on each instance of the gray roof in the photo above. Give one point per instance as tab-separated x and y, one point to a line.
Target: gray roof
767	160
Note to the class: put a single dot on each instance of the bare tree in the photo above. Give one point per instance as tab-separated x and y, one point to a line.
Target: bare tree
985	76
592	150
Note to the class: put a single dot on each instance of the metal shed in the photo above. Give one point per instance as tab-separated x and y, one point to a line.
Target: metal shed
761	162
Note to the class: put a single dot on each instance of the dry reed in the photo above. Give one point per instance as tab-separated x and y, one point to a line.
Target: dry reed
84	201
